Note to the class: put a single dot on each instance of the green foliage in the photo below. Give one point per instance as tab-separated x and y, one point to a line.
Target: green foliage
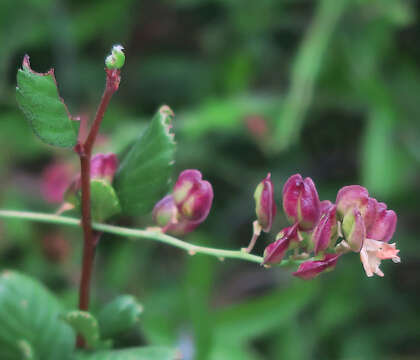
85	324
142	178
119	315
38	97
142	353
104	200
30	324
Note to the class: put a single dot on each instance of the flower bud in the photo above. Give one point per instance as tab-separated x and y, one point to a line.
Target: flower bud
310	269
265	206
193	196
354	230
274	253
325	232
384	224
165	214
116	59
103	166
351	196
301	202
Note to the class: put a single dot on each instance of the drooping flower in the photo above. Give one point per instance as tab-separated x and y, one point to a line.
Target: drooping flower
301	202
367	227
274	253
187	207
310	269
193	196
373	252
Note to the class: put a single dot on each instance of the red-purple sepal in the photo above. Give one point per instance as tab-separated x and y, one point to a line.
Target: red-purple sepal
274	253
310	269
265	206
103	166
325	232
301	202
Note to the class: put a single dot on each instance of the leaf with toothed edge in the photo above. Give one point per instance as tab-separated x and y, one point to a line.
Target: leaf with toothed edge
143	176
38	97
30	327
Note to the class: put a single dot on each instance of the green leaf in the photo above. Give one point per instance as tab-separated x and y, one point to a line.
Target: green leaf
143	176
143	353
104	200
30	324
119	315
37	96
85	324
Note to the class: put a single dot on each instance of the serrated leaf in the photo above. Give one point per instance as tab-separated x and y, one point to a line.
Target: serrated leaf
104	200
85	324
38	97
119	315
142	353
144	173
29	321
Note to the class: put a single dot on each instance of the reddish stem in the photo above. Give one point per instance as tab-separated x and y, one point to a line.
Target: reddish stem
84	150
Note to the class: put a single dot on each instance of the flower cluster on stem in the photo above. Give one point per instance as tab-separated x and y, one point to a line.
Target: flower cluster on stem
355	223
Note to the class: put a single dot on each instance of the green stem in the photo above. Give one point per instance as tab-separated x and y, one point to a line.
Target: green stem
139	234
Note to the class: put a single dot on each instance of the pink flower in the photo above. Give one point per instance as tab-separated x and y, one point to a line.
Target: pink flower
301	202
373	252
310	269
367	227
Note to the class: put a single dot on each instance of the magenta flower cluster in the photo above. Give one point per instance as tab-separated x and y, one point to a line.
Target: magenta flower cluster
187	207
356	222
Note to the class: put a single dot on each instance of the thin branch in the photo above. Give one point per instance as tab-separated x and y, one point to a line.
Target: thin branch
141	234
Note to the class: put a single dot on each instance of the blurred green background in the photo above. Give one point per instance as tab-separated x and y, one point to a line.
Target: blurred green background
328	88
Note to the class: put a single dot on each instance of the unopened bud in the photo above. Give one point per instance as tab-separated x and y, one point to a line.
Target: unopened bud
310	269
325	232
301	202
193	196
274	253
103	166
354	230
116	59
265	206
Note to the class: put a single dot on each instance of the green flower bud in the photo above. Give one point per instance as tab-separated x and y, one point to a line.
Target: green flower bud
116	59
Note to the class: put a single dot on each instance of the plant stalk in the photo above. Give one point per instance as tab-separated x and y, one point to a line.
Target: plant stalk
84	151
142	234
